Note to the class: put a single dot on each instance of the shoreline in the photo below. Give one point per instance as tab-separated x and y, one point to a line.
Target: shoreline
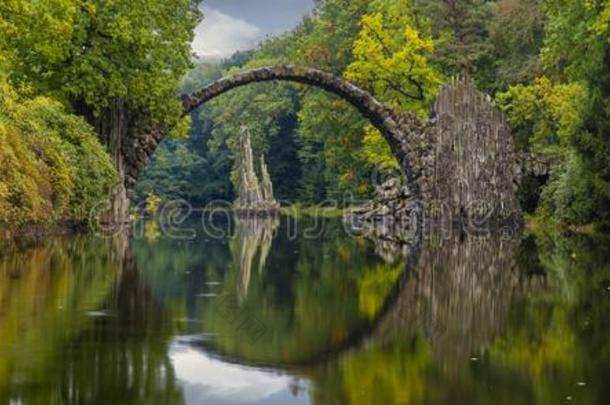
531	224
39	231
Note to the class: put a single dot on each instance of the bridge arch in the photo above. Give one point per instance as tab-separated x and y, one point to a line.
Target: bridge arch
380	115
396	128
470	139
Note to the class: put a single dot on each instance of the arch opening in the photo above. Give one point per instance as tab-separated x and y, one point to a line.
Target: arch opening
379	115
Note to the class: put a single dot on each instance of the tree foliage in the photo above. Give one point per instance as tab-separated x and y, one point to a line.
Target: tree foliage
546	115
95	52
51	165
97	59
391	58
517	35
460	28
188	169
567	111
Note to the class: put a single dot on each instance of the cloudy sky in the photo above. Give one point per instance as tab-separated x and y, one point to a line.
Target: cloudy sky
231	25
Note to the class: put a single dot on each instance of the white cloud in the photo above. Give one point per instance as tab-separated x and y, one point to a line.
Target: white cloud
220	35
206	379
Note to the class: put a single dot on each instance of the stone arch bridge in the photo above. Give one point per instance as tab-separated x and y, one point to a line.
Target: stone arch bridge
461	160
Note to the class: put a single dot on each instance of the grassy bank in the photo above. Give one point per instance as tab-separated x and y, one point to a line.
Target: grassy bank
298	210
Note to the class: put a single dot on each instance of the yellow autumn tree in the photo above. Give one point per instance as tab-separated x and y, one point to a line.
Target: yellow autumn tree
391	58
391	61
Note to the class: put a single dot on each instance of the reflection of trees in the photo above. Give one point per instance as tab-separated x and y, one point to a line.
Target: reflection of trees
45	293
254	234
502	302
124	357
77	325
175	268
393	240
561	337
533	313
393	375
456	294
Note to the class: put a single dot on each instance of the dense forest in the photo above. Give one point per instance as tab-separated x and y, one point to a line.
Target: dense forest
68	68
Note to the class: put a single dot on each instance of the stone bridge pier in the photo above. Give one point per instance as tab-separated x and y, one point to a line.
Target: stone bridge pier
464	163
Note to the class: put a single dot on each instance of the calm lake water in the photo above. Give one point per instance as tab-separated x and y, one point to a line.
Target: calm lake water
283	312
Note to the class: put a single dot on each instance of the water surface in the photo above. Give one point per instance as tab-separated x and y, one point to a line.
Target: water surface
280	312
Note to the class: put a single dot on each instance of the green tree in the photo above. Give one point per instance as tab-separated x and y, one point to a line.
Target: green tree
546	115
460	28
51	165
577	47
391	58
95	54
117	64
568	111
517	34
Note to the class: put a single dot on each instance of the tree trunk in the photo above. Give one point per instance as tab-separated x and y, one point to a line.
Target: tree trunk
112	127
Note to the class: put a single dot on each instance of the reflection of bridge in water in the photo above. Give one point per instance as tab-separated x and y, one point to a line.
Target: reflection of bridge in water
458	294
455	291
